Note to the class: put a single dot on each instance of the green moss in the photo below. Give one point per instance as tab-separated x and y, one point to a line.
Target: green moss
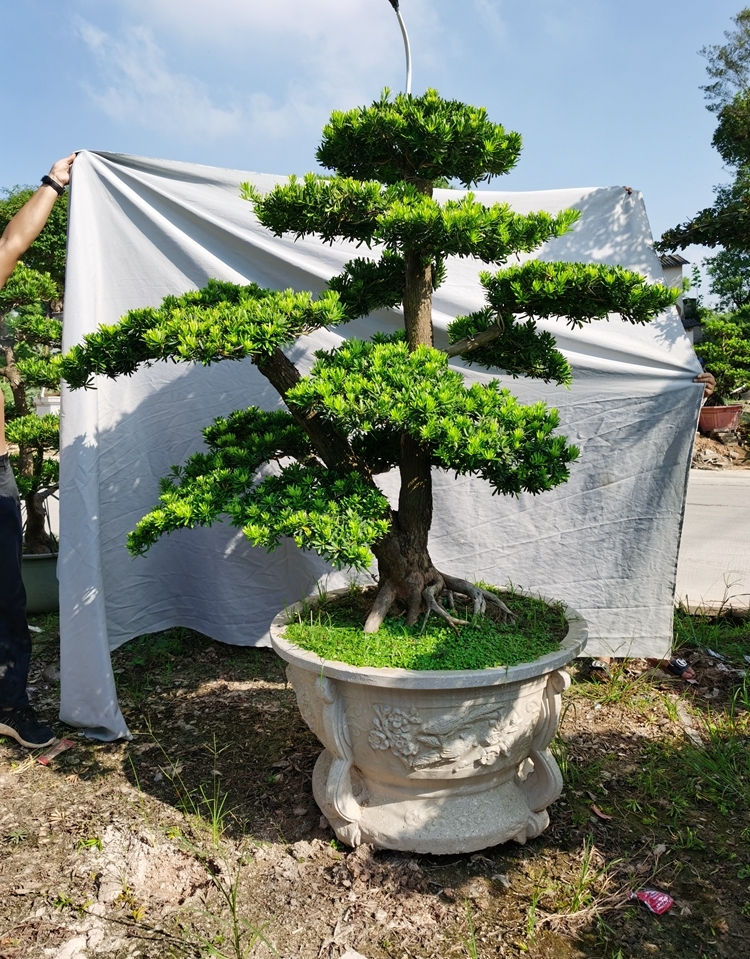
333	630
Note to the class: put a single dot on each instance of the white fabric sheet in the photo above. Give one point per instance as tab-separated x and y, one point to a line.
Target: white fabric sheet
606	542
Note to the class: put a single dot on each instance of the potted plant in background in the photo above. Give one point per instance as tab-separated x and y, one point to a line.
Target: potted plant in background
724	349
400	768
30	334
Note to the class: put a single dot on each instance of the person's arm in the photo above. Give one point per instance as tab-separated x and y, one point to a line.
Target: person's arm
29	222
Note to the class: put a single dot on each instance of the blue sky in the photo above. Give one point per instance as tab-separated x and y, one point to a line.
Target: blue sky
603	93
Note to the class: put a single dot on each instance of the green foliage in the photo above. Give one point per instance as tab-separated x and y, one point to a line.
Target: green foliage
220	322
576	292
405	220
47	253
417	139
481	430
732	135
730	278
333	209
26	286
466	227
392	402
727	222
334	632
36	436
520	349
729	64
337	515
30	336
725	349
364	285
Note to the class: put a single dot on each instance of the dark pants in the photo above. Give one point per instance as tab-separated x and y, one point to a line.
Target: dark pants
15	641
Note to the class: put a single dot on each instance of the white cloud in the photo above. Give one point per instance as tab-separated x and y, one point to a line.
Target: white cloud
289	62
137	86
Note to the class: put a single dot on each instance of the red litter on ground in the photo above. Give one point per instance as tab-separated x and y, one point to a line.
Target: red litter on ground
657	902
60	746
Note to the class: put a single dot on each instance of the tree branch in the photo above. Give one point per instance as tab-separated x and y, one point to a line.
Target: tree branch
469	343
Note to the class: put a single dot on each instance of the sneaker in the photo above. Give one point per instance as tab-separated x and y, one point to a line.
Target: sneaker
23	726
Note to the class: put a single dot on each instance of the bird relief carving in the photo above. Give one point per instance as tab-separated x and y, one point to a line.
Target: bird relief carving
478	736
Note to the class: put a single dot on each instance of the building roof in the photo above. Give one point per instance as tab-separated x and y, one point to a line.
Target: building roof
673	259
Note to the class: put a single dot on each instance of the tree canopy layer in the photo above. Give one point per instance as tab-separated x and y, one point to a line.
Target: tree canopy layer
392	403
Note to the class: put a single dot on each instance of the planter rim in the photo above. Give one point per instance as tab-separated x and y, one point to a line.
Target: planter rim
387	676
36	556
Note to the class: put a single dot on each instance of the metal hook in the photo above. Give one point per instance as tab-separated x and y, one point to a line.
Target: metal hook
407	48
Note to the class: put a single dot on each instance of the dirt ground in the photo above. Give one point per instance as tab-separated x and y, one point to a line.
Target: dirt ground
712	454
200	837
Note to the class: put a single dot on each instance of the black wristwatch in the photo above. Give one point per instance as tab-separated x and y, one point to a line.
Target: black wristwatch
57	187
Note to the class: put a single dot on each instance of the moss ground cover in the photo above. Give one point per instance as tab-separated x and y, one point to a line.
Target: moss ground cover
333	630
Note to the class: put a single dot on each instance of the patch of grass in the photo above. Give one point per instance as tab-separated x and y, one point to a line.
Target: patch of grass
725	633
334	632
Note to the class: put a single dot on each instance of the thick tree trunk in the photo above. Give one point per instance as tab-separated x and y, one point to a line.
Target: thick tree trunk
418	302
36	536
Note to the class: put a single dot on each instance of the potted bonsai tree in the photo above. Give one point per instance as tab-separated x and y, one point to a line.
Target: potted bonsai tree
724	348
428	760
30	335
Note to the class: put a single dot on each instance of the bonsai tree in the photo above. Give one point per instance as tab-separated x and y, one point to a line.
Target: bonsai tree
393	402
29	336
724	346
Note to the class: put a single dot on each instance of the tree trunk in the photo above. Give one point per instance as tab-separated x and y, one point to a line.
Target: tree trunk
418	302
36	537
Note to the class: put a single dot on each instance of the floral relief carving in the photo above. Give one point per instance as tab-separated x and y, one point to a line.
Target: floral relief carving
390	730
477	737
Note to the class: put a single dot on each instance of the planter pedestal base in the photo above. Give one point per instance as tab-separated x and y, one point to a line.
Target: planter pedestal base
435	821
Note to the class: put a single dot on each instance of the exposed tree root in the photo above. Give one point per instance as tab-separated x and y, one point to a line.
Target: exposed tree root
421	596
479	597
383	602
433	606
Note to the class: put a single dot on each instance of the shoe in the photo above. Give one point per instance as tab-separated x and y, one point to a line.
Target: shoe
599	671
23	726
681	667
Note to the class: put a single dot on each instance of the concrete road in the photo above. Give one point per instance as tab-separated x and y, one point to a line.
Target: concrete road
714	562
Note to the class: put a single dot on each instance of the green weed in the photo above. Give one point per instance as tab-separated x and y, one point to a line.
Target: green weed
92	842
470	944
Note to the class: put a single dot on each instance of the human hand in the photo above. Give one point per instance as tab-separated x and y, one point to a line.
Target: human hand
60	171
709	382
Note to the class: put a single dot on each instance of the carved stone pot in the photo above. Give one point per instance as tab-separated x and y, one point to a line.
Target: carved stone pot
433	761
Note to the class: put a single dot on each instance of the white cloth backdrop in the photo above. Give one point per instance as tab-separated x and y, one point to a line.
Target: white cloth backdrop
606	542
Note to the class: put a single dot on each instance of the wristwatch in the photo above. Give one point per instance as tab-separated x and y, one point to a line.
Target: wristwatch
57	187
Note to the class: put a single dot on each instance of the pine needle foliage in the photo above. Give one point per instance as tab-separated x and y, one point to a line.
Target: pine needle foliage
307	472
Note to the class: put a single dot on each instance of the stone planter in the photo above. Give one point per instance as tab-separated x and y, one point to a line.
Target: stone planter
433	762
39	574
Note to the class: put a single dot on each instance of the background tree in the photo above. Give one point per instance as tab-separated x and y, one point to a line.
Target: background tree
725	350
729	271
393	402
727	222
30	334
